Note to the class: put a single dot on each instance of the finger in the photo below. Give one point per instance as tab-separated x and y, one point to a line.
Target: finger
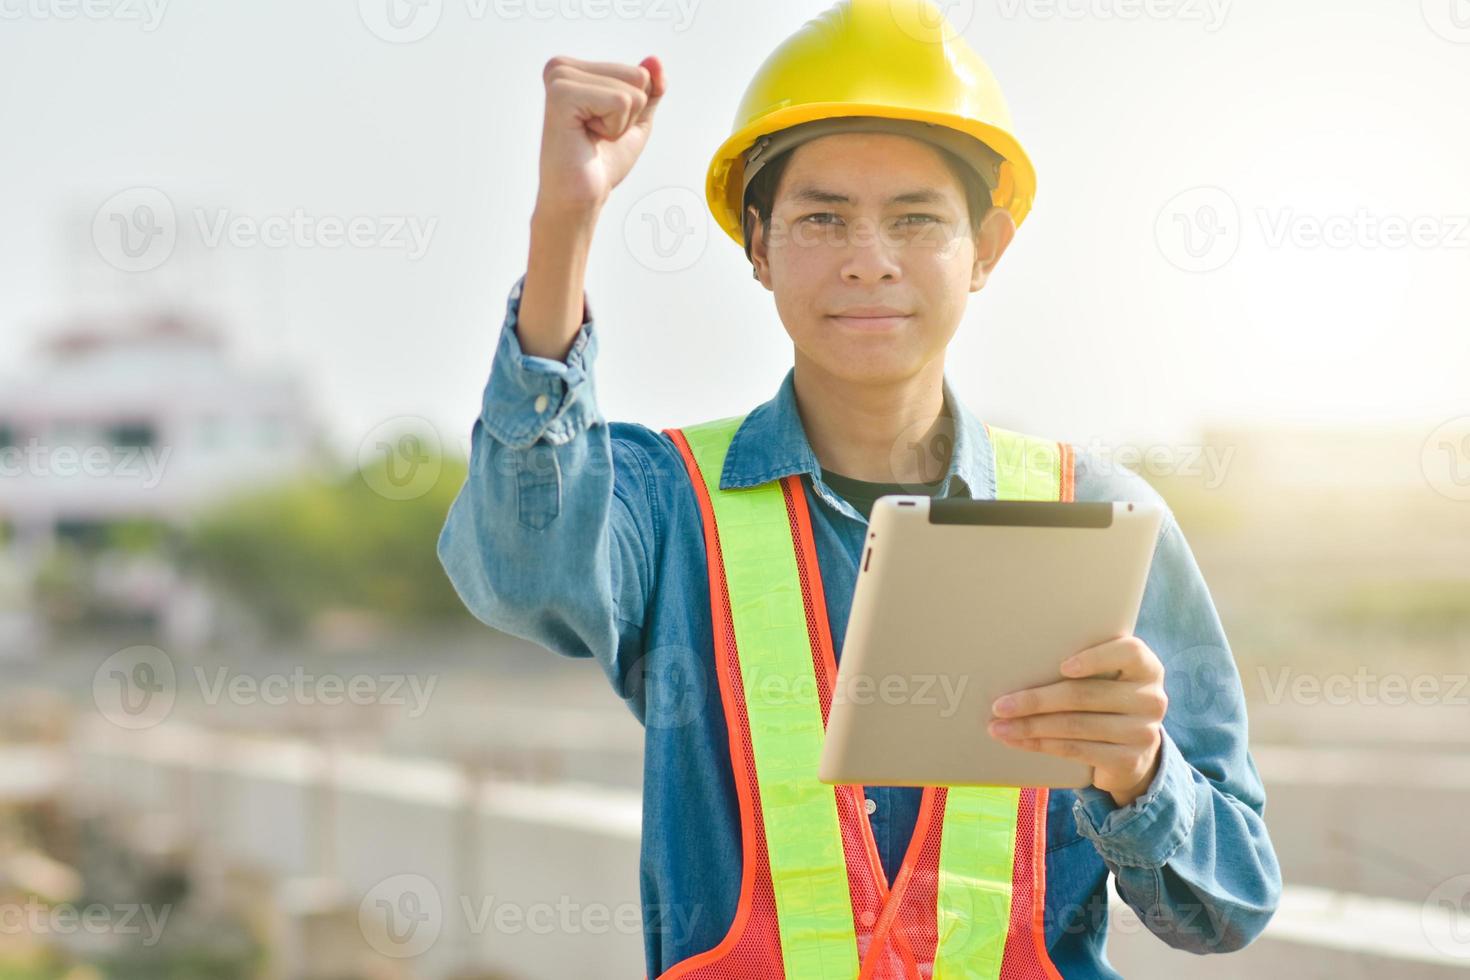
1072	695
605	110
632	88
1078	725
639	86
647	77
657	85
1099	755
634	75
1128	655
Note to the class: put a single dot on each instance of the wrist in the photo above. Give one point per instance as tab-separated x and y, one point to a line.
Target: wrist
1122	798
565	220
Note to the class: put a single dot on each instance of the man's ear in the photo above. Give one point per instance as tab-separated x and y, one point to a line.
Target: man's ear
759	251
992	239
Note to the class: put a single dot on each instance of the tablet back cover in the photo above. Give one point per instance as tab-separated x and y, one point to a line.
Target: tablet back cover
949	613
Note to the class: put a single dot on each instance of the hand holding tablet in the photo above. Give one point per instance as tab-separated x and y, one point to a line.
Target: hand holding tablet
961	602
1110	719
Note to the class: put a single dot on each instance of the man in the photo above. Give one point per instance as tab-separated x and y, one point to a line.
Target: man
874	184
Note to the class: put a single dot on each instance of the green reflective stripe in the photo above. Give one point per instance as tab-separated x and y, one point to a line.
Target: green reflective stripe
1026	468
976	854
978	843
803	834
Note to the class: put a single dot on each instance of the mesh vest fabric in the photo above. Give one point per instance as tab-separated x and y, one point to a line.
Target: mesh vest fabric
814	903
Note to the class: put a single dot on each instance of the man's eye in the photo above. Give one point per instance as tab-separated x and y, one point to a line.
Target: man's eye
920	218
820	214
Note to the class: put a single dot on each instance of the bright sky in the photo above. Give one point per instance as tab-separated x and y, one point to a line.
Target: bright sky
1119	312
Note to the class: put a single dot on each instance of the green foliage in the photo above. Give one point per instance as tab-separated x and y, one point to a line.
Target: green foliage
34	963
318	543
137	536
216	961
1407	607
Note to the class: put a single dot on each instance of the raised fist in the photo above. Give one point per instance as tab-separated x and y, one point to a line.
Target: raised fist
598	116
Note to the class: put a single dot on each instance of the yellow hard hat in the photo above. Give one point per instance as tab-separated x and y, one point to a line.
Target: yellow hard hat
892	59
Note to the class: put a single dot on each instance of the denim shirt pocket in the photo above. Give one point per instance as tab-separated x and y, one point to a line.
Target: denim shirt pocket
538	485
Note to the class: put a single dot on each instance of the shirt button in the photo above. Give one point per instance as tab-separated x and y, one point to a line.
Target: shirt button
867	918
871	805
541	401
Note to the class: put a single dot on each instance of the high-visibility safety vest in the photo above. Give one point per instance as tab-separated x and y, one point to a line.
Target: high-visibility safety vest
968	901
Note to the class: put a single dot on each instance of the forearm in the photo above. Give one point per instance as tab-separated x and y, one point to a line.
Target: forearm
1191	855
552	302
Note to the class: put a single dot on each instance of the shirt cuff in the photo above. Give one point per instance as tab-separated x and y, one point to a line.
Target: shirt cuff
528	397
1148	831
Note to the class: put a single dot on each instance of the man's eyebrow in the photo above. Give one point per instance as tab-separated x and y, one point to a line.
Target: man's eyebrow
817	195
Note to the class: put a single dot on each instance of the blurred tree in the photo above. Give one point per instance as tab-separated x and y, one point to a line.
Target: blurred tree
318	544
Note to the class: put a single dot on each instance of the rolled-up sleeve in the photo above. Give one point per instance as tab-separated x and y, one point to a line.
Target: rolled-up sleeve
1191	855
552	536
528	397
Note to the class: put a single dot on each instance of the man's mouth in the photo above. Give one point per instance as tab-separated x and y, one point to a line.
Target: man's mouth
879	319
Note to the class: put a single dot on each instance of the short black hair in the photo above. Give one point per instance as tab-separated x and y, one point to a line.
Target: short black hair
761	194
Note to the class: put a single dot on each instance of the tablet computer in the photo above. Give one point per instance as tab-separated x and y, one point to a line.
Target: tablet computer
959	601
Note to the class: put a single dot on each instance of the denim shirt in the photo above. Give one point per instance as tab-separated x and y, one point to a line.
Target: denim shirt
585	536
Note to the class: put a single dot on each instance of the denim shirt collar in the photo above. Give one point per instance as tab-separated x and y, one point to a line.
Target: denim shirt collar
771	443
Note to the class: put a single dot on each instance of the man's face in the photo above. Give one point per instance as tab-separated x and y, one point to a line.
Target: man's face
871	255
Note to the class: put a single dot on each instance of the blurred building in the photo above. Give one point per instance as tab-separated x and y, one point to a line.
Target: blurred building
140	419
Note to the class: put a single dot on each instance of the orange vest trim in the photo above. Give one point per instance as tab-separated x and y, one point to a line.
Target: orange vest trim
895	926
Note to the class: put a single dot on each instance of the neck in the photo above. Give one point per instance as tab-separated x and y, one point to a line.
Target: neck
888	431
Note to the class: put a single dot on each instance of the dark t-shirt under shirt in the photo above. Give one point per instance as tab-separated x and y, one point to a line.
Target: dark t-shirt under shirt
862	493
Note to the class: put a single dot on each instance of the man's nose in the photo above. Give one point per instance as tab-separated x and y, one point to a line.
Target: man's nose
868	257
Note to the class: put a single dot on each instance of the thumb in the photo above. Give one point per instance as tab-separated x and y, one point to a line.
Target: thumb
656	88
